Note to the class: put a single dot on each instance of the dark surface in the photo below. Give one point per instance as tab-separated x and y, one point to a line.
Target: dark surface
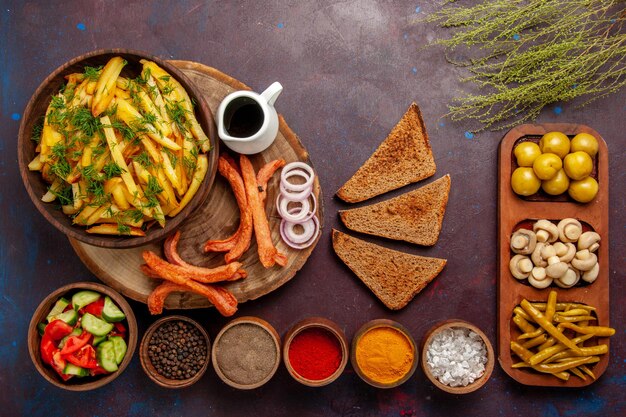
349	70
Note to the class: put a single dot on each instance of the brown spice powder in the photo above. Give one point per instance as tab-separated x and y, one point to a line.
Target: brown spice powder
246	354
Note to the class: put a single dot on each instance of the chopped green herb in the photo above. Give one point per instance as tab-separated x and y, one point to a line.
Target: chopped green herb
64	195
144	159
111	170
93	73
37	131
83	120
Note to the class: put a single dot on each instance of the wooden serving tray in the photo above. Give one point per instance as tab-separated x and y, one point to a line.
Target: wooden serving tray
512	209
217	218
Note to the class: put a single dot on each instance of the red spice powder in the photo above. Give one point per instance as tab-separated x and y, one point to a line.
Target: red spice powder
315	353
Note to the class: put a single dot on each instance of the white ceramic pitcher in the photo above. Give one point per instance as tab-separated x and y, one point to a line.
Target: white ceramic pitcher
247	122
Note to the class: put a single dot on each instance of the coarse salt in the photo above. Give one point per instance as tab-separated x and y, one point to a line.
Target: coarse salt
457	356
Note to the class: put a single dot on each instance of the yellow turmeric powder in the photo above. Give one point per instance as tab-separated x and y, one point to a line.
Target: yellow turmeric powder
384	354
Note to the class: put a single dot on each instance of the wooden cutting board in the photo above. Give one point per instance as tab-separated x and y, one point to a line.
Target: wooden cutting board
514	210
217	218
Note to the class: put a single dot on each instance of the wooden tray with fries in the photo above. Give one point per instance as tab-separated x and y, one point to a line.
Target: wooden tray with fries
217	218
515	211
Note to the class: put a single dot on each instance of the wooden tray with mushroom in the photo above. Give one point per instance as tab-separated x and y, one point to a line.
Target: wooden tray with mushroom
517	216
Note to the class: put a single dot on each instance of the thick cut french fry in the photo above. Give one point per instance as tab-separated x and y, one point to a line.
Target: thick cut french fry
120	199
122	83
150	108
112	229
78	194
52	192
84	214
105	87
198	176
95	216
131	116
35	164
172	203
170	172
157	98
151	149
120	93
178	93
126	176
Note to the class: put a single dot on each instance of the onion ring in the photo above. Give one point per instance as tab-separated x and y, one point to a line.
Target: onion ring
308	180
291	214
296	196
303	245
309	230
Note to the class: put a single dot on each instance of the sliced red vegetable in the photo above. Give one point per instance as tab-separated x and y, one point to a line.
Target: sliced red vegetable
85	357
47	348
58	329
58	364
74	343
120	330
98	370
94	308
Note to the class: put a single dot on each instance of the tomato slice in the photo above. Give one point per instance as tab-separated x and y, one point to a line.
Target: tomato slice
47	348
98	370
85	357
120	330
58	363
74	343
58	329
94	308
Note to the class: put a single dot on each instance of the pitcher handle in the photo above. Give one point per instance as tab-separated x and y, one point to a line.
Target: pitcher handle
272	92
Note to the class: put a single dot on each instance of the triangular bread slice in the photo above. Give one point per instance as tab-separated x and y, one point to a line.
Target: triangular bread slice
394	277
415	217
404	157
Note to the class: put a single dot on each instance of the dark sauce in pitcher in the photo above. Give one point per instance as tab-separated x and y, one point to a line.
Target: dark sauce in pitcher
243	117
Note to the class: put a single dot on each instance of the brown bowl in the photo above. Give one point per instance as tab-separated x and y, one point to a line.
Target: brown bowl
372	325
35	110
34	339
150	370
316	323
246	320
488	367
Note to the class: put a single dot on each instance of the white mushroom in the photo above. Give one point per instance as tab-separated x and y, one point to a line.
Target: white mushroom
548	251
523	241
556	270
520	266
584	260
569	230
570	278
569	255
589	240
538	273
536	255
539	284
560	248
546	231
591	275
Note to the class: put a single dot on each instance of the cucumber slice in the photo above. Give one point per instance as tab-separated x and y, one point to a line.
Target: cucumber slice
70	317
98	339
82	298
71	369
57	309
105	354
120	348
111	312
95	326
41	328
